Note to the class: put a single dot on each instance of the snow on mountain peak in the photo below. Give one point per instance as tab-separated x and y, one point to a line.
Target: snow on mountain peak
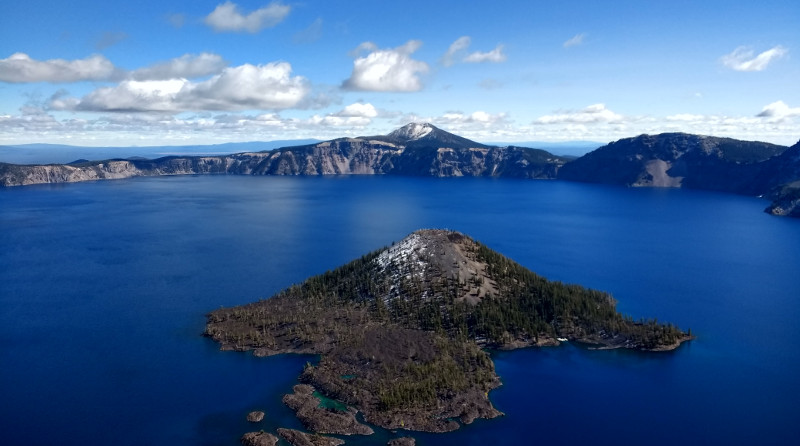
413	131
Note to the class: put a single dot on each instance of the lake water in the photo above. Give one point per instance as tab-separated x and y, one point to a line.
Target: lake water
104	287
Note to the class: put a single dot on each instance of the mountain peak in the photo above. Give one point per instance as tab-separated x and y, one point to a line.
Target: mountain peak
413	131
423	134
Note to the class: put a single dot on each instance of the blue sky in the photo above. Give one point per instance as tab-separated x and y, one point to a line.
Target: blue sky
203	72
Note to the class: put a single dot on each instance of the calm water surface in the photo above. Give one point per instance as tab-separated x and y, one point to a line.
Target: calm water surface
104	287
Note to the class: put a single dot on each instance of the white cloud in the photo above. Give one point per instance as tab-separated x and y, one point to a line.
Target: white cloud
387	70
495	56
597	113
131	95
228	17
576	40
340	121
778	111
459	47
478	117
269	86
19	68
685	117
246	87
362	47
461	44
156	128
359	109
186	66
743	59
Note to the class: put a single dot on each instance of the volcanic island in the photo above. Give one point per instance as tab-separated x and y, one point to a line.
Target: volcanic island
402	335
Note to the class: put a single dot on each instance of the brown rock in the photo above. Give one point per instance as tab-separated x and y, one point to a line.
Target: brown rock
258	439
298	438
317	419
255	416
402	441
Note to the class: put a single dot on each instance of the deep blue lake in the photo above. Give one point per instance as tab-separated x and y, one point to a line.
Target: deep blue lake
104	287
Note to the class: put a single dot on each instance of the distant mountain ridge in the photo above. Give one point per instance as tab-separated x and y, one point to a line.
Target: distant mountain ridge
415	149
421	149
673	160
62	154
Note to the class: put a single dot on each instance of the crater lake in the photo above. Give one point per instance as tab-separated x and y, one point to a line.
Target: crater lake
104	287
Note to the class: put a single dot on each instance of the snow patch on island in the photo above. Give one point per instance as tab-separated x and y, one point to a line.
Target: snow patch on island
404	261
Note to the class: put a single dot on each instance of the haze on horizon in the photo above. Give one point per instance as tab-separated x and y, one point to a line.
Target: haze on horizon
91	73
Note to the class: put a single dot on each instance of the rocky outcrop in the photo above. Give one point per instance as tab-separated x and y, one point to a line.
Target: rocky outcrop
298	438
402	441
258	439
255	416
785	201
325	421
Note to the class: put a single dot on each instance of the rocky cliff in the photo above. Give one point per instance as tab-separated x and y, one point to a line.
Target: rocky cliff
415	149
696	162
674	160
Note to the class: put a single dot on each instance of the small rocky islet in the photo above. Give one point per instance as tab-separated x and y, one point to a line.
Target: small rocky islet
402	334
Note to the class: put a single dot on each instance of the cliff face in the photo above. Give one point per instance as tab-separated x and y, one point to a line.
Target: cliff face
675	160
697	162
785	201
416	149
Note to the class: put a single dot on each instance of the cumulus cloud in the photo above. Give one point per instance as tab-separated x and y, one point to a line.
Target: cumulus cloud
387	70
778	111
593	114
461	44
227	17
186	66
35	124
245	87
360	110
744	58
269	86
19	68
479	117
130	95
495	56
575	41
340	121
